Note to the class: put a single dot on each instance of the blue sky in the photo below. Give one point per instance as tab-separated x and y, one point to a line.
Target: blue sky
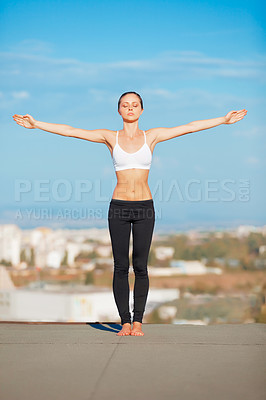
68	62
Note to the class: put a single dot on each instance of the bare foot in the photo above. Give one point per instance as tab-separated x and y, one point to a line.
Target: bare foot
126	329
136	331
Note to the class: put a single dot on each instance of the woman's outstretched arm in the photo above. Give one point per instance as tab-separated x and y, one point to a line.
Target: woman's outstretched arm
27	121
162	134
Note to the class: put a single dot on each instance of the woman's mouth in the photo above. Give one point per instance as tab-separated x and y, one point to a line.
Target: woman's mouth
130	114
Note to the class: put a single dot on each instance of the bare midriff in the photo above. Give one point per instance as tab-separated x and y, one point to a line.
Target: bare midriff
132	184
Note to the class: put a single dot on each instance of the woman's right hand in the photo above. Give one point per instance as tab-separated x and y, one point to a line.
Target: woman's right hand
25	120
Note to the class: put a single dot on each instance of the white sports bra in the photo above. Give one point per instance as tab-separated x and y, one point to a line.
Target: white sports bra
139	159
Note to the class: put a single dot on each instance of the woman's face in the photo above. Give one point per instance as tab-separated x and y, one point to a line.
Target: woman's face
130	108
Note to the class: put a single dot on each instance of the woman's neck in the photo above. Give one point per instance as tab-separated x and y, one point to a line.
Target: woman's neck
131	129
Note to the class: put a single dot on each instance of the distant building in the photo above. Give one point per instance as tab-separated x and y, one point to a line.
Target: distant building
164	252
192	267
104	251
245	230
10	243
233	262
262	249
6	282
44	302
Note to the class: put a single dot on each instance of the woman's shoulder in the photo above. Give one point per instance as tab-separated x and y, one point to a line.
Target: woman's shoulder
110	136
151	134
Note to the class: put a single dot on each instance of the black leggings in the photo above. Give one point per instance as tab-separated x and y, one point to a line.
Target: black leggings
121	214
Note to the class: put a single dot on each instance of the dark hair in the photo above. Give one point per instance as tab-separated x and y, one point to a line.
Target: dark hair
141	101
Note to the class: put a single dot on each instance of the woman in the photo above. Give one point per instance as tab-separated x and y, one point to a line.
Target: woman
132	202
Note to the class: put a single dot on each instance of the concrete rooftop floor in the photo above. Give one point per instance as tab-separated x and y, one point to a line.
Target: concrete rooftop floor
88	361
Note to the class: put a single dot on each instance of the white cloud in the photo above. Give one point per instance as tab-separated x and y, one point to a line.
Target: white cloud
21	95
157	162
32	67
162	93
32	46
186	98
254	131
198	168
170	65
101	95
107	171
252	160
10	99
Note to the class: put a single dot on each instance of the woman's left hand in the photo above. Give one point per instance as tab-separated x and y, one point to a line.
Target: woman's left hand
234	116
